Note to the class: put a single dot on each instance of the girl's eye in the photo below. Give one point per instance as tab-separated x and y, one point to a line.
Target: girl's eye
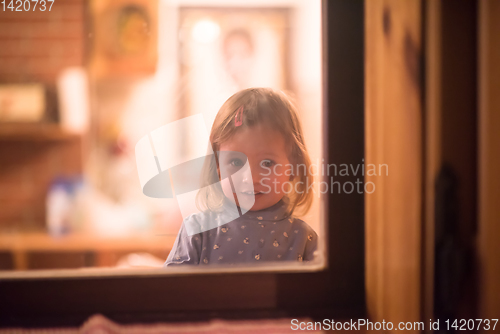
236	162
267	163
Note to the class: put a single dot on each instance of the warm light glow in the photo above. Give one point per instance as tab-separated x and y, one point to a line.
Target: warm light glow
205	31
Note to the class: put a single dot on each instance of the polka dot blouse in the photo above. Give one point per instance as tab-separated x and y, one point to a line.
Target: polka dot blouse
256	236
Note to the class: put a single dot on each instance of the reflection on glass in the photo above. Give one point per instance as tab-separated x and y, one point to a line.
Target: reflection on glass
125	144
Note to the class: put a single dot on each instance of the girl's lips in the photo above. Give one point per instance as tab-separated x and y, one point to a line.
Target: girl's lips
252	193
255	196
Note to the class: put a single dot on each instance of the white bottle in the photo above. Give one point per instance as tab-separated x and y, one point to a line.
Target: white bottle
58	206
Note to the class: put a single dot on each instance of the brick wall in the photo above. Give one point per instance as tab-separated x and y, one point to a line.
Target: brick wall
35	47
26	170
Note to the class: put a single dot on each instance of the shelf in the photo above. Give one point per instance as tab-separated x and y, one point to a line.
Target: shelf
39	241
34	132
21	244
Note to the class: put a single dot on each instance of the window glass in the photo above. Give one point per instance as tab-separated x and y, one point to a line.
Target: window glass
161	135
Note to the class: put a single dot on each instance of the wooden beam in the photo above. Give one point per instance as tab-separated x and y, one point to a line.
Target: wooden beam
489	158
393	111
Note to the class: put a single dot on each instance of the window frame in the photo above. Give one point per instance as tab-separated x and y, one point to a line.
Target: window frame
335	291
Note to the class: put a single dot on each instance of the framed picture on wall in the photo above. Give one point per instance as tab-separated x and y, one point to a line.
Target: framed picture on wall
124	38
223	50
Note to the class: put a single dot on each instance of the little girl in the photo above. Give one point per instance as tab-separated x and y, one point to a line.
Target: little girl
258	128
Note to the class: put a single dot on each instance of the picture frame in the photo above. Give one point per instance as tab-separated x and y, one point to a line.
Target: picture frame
124	38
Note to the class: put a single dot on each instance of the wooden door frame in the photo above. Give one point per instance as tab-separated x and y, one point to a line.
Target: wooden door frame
336	291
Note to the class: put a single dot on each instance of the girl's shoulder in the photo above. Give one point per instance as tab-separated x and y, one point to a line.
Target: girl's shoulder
300	226
198	217
197	220
204	221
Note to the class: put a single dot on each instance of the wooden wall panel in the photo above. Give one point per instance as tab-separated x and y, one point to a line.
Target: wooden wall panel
450	159
489	158
433	80
393	114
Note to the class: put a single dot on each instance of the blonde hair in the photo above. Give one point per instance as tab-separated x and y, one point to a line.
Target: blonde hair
260	106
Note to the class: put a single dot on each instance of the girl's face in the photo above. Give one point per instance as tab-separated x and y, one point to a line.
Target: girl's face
265	151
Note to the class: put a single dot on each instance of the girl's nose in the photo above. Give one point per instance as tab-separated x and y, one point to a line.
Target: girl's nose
256	172
246	174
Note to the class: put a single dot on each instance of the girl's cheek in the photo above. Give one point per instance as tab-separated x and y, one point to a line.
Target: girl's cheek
275	184
282	174
226	188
